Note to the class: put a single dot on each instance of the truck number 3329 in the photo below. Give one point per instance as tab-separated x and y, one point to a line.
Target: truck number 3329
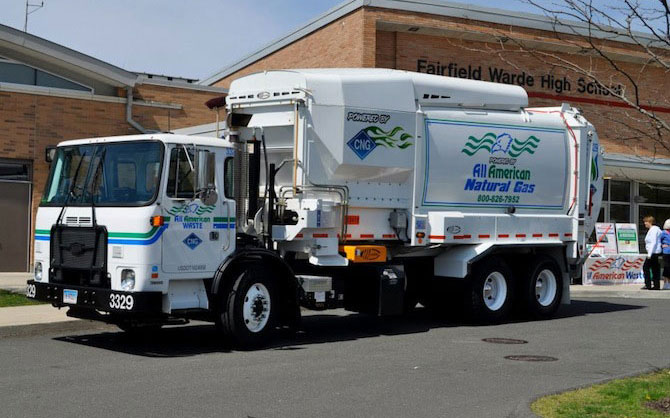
124	302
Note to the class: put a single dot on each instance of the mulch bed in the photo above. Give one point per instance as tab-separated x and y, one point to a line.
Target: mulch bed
661	405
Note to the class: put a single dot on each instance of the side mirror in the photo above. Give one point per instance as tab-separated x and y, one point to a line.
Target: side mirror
205	173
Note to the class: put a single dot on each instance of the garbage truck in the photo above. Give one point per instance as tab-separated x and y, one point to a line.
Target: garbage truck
371	190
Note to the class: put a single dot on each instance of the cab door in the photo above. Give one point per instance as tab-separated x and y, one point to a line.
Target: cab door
193	241
227	223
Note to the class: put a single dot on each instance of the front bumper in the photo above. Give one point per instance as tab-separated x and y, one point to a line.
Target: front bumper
105	300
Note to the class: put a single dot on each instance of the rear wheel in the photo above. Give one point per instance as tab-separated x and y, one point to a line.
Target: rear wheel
248	313
491	290
543	288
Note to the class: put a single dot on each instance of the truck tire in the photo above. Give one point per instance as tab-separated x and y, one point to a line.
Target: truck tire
491	290
543	288
248	313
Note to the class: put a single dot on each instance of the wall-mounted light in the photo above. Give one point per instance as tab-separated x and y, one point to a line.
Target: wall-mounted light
49	154
413	29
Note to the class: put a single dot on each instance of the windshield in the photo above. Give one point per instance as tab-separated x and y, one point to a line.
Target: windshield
109	174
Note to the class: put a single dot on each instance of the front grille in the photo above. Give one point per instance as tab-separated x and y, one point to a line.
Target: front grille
79	256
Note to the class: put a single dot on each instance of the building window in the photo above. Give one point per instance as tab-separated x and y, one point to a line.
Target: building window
15	170
16	73
616	202
616	206
654	200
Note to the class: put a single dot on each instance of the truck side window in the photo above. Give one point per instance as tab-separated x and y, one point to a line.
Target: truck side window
228	178
181	179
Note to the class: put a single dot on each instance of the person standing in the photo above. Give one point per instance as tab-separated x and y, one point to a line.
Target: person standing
652	243
665	248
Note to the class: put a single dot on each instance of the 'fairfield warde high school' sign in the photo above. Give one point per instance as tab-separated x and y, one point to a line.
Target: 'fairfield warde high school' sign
521	78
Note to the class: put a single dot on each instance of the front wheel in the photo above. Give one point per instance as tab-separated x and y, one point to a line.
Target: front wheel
543	288
491	290
248	312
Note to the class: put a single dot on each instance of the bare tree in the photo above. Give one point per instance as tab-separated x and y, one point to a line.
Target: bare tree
645	25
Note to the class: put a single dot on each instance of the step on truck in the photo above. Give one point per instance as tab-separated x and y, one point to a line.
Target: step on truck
365	189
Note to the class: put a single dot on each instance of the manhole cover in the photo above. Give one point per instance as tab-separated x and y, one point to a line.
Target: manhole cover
526	357
504	341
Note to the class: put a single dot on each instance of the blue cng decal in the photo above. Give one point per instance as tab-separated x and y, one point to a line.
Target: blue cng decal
362	144
192	241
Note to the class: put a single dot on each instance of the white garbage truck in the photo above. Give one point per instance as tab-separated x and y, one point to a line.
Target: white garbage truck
366	189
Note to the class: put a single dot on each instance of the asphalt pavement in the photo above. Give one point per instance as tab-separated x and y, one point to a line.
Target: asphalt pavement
341	365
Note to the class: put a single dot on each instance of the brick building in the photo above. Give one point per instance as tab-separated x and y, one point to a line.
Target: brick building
466	41
48	94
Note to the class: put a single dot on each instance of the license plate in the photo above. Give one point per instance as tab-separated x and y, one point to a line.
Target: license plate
70	296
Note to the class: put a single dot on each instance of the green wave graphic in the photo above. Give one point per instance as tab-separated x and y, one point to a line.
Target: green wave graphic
475	144
482	143
530	147
488	140
204	209
531	139
489	136
474	151
389	139
519	147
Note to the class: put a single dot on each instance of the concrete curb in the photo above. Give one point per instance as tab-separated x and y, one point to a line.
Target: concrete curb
617	291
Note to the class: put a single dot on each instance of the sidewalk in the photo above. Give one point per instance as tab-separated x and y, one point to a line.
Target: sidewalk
631	291
32	314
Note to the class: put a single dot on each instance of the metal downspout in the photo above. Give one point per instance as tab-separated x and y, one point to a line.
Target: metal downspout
129	112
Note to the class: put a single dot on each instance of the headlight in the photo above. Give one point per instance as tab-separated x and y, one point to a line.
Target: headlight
38	271
127	279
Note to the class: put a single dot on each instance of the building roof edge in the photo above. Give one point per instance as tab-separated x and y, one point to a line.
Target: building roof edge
68	55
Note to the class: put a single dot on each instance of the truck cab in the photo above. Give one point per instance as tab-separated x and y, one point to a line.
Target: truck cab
134	224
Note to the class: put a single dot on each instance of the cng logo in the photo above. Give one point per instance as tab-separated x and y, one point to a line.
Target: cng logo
367	139
192	241
362	144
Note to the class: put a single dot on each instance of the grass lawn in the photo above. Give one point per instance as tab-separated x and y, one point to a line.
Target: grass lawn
632	397
15	299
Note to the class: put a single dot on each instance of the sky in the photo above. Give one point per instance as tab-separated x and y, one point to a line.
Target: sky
180	38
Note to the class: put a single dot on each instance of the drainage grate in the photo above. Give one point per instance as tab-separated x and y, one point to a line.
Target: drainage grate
504	341
526	357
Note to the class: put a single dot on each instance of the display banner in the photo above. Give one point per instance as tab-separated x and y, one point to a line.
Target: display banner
606	243
615	269
626	236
